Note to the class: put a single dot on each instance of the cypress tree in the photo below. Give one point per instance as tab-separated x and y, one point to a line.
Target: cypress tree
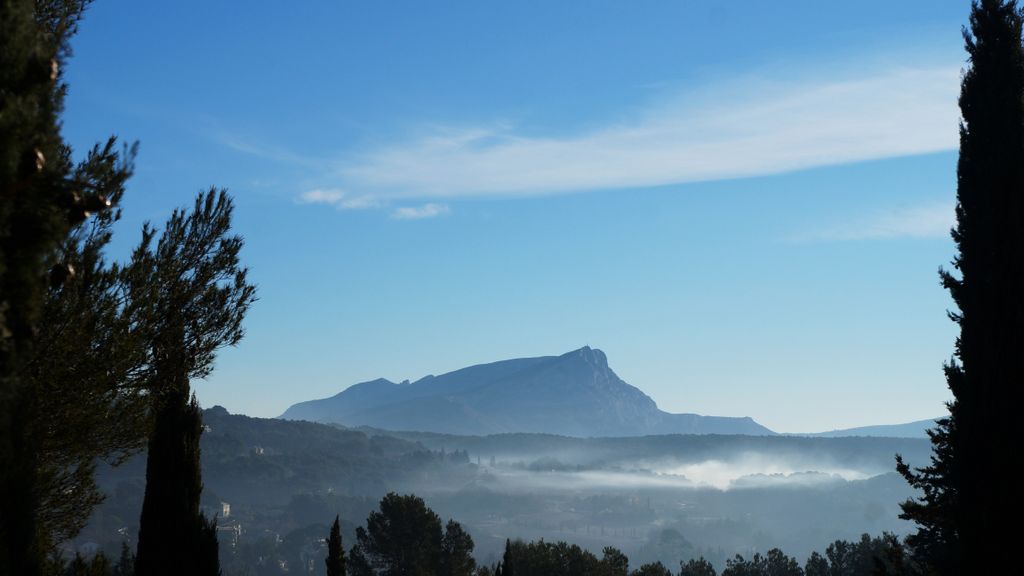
39	201
969	482
335	552
171	528
507	566
194	308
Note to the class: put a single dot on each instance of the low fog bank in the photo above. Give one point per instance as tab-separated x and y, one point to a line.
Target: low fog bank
850	457
675	507
669	497
663	517
742	471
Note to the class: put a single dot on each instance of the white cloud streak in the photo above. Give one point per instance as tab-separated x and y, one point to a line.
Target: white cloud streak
319	196
751	128
420	212
932	220
337	198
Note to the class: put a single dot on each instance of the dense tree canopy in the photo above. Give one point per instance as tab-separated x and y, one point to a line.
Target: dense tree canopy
404	538
559	559
970	481
42	196
697	567
88	368
775	563
193	294
651	569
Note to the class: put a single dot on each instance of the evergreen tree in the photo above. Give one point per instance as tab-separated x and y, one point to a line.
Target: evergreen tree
507	567
816	566
172	529
39	202
456	551
207	560
126	562
778	564
614	562
88	365
335	553
652	569
403	538
193	308
697	567
775	563
559	559
83	369
969	482
358	564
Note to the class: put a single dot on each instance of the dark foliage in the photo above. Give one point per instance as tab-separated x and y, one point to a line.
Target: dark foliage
194	307
816	565
456	551
88	367
404	537
358	563
652	569
42	196
969	482
697	567
335	560
559	559
125	563
172	535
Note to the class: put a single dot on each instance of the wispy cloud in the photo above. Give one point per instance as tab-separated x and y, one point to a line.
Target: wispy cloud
337	198
319	196
746	127
419	212
258	149
931	220
749	128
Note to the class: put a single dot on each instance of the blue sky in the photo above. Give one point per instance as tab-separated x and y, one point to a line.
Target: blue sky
743	204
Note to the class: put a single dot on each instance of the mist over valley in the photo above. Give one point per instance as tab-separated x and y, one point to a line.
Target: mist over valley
658	497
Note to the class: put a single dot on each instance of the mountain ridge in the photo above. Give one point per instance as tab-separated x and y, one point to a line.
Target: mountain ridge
915	429
574	394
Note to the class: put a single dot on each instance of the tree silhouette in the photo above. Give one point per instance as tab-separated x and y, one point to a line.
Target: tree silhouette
969	481
816	565
697	567
402	538
195	307
559	559
775	563
456	551
358	563
335	552
651	569
87	367
39	201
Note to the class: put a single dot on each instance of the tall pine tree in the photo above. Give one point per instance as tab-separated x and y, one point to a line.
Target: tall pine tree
195	307
970	483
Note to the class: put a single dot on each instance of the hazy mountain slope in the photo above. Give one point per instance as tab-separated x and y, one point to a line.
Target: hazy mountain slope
916	429
575	394
282	476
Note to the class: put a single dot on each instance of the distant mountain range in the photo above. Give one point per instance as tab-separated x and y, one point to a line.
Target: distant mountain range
918	429
575	394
